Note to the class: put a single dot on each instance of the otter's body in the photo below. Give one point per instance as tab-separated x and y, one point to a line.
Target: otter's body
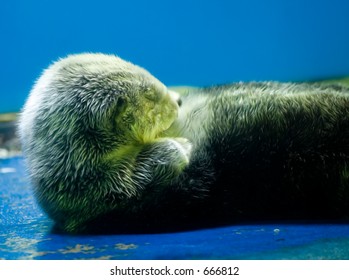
267	151
106	142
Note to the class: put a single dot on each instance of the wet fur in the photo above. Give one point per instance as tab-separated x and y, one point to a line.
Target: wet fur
108	148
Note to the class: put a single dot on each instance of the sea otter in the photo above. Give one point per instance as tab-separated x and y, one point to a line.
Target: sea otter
108	146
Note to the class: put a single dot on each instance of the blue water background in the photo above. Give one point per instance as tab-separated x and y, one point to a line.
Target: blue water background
182	42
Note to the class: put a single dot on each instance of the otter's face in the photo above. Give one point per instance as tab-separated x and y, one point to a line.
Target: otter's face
118	98
148	112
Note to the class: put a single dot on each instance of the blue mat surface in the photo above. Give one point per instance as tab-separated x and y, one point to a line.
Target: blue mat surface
25	233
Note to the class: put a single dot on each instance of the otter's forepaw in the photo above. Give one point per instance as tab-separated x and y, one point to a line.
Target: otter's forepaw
184	147
175	154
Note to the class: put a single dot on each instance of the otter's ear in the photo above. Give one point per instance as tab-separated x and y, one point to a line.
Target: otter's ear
116	112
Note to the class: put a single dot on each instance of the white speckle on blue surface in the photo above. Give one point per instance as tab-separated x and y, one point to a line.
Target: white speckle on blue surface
7	170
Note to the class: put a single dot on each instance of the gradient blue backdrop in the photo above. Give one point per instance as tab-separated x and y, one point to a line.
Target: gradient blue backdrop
183	42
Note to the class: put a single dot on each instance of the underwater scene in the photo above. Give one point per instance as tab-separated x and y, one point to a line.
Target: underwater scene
174	130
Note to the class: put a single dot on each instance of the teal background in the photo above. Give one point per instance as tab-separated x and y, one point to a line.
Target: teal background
183	42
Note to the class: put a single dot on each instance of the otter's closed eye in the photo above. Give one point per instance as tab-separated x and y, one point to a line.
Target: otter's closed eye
153	95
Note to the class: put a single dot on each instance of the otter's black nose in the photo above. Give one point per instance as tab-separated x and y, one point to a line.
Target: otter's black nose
175	97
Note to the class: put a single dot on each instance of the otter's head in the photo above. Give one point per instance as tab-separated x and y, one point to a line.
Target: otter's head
85	105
